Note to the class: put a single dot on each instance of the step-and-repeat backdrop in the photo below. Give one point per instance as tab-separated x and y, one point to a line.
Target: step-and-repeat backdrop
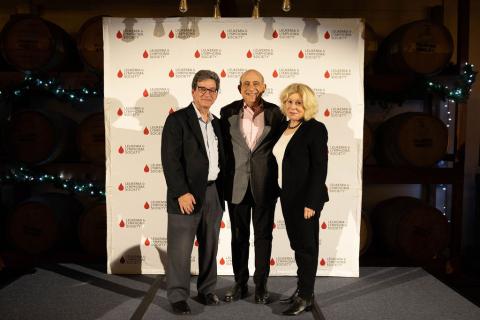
149	66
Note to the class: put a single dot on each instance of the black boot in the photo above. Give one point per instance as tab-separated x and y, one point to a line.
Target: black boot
236	292
290	299
261	294
298	306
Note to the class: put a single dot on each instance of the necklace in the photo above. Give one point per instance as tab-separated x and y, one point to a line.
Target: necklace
295	126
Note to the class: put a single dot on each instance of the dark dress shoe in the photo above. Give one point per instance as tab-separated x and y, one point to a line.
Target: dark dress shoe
261	294
236	292
181	307
209	299
290	299
298	306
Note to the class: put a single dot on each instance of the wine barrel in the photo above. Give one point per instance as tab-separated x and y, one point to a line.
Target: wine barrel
43	223
30	43
410	228
365	234
92	230
421	47
90	43
371	44
411	139
36	137
91	137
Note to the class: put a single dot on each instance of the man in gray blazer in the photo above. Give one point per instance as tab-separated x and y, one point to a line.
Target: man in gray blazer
249	127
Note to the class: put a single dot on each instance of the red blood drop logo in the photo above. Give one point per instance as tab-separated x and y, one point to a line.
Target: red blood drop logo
274	226
327	113
146	168
145	93
272	262
249	54
171	74
275	73
171	111
147	242
222	261
275	34
119	112
223	35
122	260
146	205
197	54
119	35
327	74
122	224
222	224
121	150
326	35
121	187
223	74
300	54
196	243
120	74
171	34
146	131
324	225
145	54
322	262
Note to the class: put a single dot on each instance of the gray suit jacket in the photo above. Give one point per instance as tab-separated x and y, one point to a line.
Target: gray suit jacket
243	166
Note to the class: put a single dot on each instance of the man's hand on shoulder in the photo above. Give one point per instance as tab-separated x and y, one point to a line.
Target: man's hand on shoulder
186	203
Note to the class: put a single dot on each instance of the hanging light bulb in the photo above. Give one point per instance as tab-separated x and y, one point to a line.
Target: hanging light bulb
256	9
216	10
183	7
286	6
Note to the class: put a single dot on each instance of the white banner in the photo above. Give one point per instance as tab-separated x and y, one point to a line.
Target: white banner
149	66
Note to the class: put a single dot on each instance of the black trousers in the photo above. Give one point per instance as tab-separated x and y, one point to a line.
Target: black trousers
303	235
180	236
262	219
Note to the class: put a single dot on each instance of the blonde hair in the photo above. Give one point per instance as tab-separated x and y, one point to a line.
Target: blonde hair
310	104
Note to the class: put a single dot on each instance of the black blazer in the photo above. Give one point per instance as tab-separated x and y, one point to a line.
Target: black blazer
184	158
264	172
304	167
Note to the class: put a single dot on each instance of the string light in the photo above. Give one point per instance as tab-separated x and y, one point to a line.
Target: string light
463	85
24	175
50	85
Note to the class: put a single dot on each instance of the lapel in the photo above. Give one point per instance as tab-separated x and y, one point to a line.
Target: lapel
195	126
268	114
296	139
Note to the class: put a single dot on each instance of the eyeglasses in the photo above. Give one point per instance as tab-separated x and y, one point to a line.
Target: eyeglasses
204	90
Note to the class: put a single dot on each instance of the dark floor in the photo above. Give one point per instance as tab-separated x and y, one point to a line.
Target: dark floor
52	290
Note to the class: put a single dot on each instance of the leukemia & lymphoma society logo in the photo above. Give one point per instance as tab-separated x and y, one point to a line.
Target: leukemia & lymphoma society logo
311	53
234	33
130	73
158	92
155	130
208	53
283	261
259	53
131	149
156	53
337	112
130	111
182	73
338	187
131	223
333	225
338	34
332	262
131	186
155	205
337	73
153	168
285	33
285	73
129	34
157	242
232	73
225	261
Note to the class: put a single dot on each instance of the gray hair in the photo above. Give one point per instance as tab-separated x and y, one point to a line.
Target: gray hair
205	75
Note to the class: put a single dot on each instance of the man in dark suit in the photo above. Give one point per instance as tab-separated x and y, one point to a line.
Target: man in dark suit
193	162
249	127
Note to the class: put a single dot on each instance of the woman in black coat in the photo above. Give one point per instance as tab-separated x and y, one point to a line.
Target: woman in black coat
302	156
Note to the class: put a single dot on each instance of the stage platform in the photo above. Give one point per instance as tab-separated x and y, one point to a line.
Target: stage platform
72	291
